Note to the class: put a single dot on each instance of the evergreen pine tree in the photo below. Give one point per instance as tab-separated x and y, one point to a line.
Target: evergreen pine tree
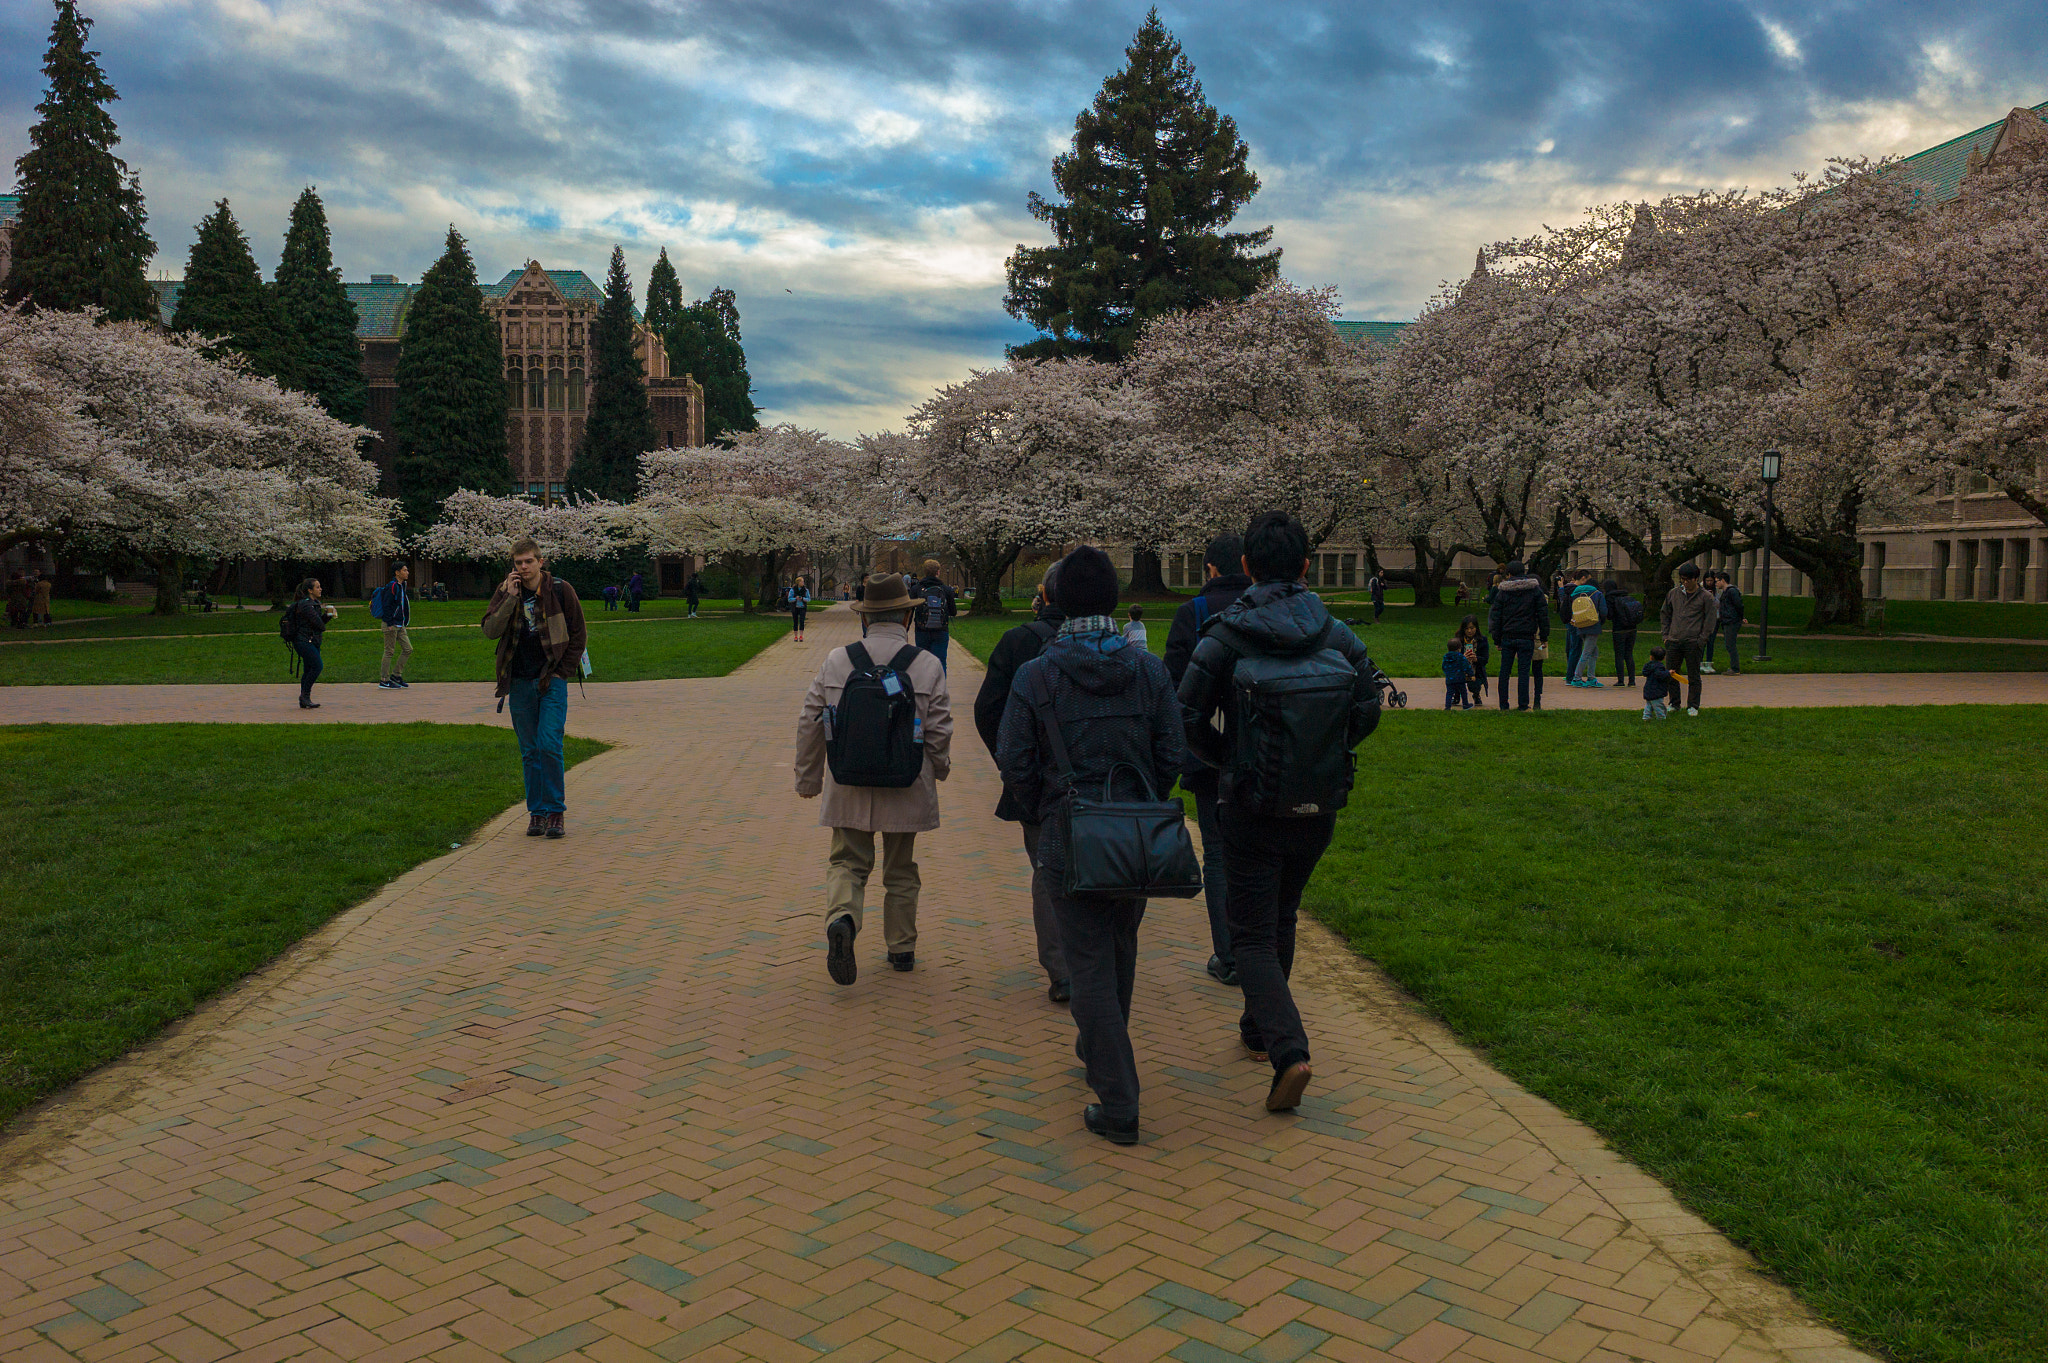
449	424
1154	176
315	310
619	427
704	342
664	296
80	241
224	299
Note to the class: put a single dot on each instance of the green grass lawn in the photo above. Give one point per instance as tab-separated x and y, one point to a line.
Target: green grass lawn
447	646
1789	961
1409	641
149	866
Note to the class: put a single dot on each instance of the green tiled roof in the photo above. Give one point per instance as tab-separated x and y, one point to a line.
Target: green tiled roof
10	206
574	284
1377	333
1941	168
380	309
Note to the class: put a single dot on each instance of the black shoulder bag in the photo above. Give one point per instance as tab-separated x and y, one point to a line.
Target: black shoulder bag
1118	849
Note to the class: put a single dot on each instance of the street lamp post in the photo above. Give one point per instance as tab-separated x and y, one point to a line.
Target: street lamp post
1770	476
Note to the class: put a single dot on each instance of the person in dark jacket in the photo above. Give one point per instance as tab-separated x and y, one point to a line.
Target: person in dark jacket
1378	588
1473	640
309	622
1223	563
693	592
634	586
1518	617
929	590
1016	648
1624	613
1269	858
1727	624
1119	721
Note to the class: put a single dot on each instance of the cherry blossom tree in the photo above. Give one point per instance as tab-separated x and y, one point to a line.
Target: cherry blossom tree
476	526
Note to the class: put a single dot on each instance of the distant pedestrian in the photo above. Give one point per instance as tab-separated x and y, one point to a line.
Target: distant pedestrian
1223	564
634	585
1457	676
1134	630
1624	615
611	596
305	623
935	616
392	604
1378	587
1519	622
1588	617
693	592
1296	693
538	624
1658	687
39	598
875	738
1688	621
1728	621
18	599
1091	713
1016	648
1472	640
797	598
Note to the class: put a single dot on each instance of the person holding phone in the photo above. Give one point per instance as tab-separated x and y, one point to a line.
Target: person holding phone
538	624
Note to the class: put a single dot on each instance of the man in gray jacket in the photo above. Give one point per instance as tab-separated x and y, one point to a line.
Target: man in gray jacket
1688	621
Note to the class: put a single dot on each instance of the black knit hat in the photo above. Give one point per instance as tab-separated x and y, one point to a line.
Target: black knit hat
1087	582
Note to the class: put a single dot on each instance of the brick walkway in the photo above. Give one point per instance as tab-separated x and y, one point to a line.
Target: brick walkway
598	1099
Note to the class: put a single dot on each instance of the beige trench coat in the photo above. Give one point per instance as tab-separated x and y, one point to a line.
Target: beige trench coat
912	809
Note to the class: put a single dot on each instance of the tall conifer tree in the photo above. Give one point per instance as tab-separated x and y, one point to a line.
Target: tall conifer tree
1154	177
664	296
315	310
224	299
80	241
704	342
619	427
449	424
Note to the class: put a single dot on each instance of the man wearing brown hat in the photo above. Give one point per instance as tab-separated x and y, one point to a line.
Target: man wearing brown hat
883	664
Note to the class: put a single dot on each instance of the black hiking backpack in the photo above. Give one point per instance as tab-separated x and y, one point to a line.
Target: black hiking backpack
873	737
934	609
1292	757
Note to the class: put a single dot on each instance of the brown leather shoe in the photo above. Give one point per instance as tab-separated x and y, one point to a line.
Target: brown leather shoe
1285	1095
536	824
555	829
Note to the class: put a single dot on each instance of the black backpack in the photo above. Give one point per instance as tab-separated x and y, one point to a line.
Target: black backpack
934	608
1292	756
872	736
288	624
1626	612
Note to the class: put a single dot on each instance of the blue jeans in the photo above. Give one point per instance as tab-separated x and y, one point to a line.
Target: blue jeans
934	643
309	667
1571	651
1587	665
538	720
1215	885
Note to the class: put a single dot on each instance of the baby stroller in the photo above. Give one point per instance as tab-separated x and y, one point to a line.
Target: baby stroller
1390	695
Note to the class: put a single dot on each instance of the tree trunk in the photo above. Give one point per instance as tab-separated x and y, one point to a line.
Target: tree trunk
771	573
1146	579
743	568
170	585
985	563
1837	593
1431	568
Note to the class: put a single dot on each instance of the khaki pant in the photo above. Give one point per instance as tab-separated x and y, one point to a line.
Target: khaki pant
846	880
396	638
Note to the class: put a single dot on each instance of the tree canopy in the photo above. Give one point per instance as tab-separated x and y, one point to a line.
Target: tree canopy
619	427
1154	177
449	425
704	342
316	312
224	301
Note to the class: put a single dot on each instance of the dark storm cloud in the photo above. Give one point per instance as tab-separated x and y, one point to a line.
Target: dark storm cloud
772	142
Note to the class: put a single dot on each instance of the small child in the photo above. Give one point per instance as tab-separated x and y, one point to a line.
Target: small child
1134	633
1657	685
611	598
1457	676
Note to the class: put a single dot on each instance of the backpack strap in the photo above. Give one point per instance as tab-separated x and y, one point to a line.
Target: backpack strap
905	656
1047	637
857	654
1042	699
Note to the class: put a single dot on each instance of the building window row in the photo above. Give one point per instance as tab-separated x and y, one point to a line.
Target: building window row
538	389
541	493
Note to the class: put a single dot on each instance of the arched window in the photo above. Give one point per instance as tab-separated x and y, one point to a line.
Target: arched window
515	386
556	390
536	387
575	390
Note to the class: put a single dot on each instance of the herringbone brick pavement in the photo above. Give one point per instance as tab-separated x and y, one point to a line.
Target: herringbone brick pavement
597	1099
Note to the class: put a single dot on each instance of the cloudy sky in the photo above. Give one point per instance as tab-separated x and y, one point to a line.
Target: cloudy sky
857	169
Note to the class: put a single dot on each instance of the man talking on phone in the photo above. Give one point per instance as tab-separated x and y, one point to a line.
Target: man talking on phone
538	623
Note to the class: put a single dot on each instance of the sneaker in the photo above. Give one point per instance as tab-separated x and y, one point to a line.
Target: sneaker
1117	1133
555	828
1221	973
401	683
536	824
1706	669
387	685
1059	991
1596	684
1288	1086
1692	710
839	951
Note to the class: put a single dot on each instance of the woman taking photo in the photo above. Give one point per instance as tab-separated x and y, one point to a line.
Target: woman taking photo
307	620
1473	640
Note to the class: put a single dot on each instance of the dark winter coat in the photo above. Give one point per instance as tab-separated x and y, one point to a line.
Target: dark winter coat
309	621
1520	610
1114	704
1016	648
1218	595
1279	618
1730	605
1657	683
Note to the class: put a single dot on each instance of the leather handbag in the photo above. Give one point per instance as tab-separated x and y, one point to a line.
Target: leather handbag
1119	849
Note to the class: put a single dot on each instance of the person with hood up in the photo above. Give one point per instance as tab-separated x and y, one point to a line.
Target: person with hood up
1120	723
1222	562
1517	619
1016	648
1278	795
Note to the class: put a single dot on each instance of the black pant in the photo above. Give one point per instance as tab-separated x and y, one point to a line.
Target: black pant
1524	649
1729	632
309	667
1099	940
1269	862
1685	653
1623	647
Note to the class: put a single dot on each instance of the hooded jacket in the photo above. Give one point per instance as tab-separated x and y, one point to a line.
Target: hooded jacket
1217	596
1016	648
1115	706
1728	605
1279	619
1519	611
